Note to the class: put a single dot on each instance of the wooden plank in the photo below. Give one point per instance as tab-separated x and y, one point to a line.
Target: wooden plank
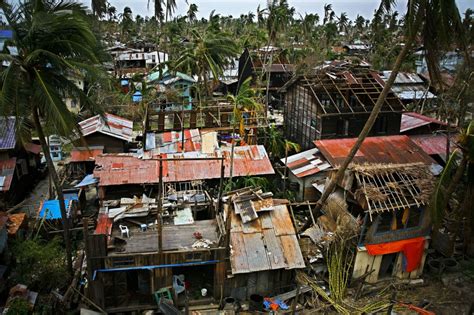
275	254
236	223
281	220
374	276
238	257
252	227
266	220
256	254
292	252
362	263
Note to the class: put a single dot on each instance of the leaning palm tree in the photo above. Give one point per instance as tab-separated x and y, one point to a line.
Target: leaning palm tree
99	7
439	25
53	42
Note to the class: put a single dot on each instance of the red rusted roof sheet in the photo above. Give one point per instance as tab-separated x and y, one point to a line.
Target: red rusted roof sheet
110	125
121	169
434	144
389	149
7	170
104	225
413	120
306	163
83	154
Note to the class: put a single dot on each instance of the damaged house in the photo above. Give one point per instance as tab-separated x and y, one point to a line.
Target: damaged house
387	188
335	102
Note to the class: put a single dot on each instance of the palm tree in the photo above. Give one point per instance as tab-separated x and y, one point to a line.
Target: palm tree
53	40
99	7
327	12
205	54
436	21
343	22
245	101
158	9
191	14
170	8
359	23
111	12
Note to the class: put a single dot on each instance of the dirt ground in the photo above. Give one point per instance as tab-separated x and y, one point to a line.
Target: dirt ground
445	294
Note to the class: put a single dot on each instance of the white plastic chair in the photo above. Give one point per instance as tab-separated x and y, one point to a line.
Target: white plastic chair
124	230
178	285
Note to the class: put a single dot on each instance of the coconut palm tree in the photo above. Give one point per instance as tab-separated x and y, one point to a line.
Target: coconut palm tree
99	7
342	22
53	41
436	21
191	14
206	53
327	12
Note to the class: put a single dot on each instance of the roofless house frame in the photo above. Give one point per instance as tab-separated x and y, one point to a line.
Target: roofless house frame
335	102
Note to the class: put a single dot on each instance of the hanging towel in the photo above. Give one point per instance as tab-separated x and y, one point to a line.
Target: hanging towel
412	250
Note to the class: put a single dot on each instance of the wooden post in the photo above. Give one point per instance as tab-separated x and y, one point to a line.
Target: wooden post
221	187
85	227
160	209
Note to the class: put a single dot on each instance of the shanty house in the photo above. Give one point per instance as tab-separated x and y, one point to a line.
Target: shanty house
411	89
303	169
112	132
19	163
264	249
82	160
127	174
179	82
335	102
387	187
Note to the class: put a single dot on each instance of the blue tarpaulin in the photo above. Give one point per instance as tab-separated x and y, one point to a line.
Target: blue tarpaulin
51	210
88	180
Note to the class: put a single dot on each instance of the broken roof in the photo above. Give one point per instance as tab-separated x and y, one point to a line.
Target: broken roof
267	243
172	141
306	163
388	149
346	89
7	133
85	154
391	187
122	169
110	125
7	170
412	120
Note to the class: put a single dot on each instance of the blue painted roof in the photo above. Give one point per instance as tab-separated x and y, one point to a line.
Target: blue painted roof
51	209
6	34
7	133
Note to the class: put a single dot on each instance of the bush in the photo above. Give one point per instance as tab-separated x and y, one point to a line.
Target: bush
40	265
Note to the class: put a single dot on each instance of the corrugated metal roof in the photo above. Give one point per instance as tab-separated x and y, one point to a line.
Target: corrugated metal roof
7	170
112	125
121	169
7	133
433	144
306	163
83	154
33	148
412	120
389	149
266	243
172	141
104	225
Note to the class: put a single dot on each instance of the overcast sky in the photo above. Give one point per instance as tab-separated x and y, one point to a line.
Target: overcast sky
237	7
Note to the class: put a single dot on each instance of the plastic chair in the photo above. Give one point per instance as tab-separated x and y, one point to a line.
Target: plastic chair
163	293
178	285
124	230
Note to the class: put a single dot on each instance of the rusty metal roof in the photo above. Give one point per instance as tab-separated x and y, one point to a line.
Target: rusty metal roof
121	169
306	163
172	141
7	170
434	144
413	120
84	154
110	125
104	225
389	149
266	243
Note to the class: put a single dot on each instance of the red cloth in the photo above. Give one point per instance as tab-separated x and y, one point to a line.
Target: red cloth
411	248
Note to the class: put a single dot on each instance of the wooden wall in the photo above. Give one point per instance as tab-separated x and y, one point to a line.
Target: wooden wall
365	263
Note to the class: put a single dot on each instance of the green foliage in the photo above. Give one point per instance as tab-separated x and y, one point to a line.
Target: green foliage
247	181
18	306
277	145
40	264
